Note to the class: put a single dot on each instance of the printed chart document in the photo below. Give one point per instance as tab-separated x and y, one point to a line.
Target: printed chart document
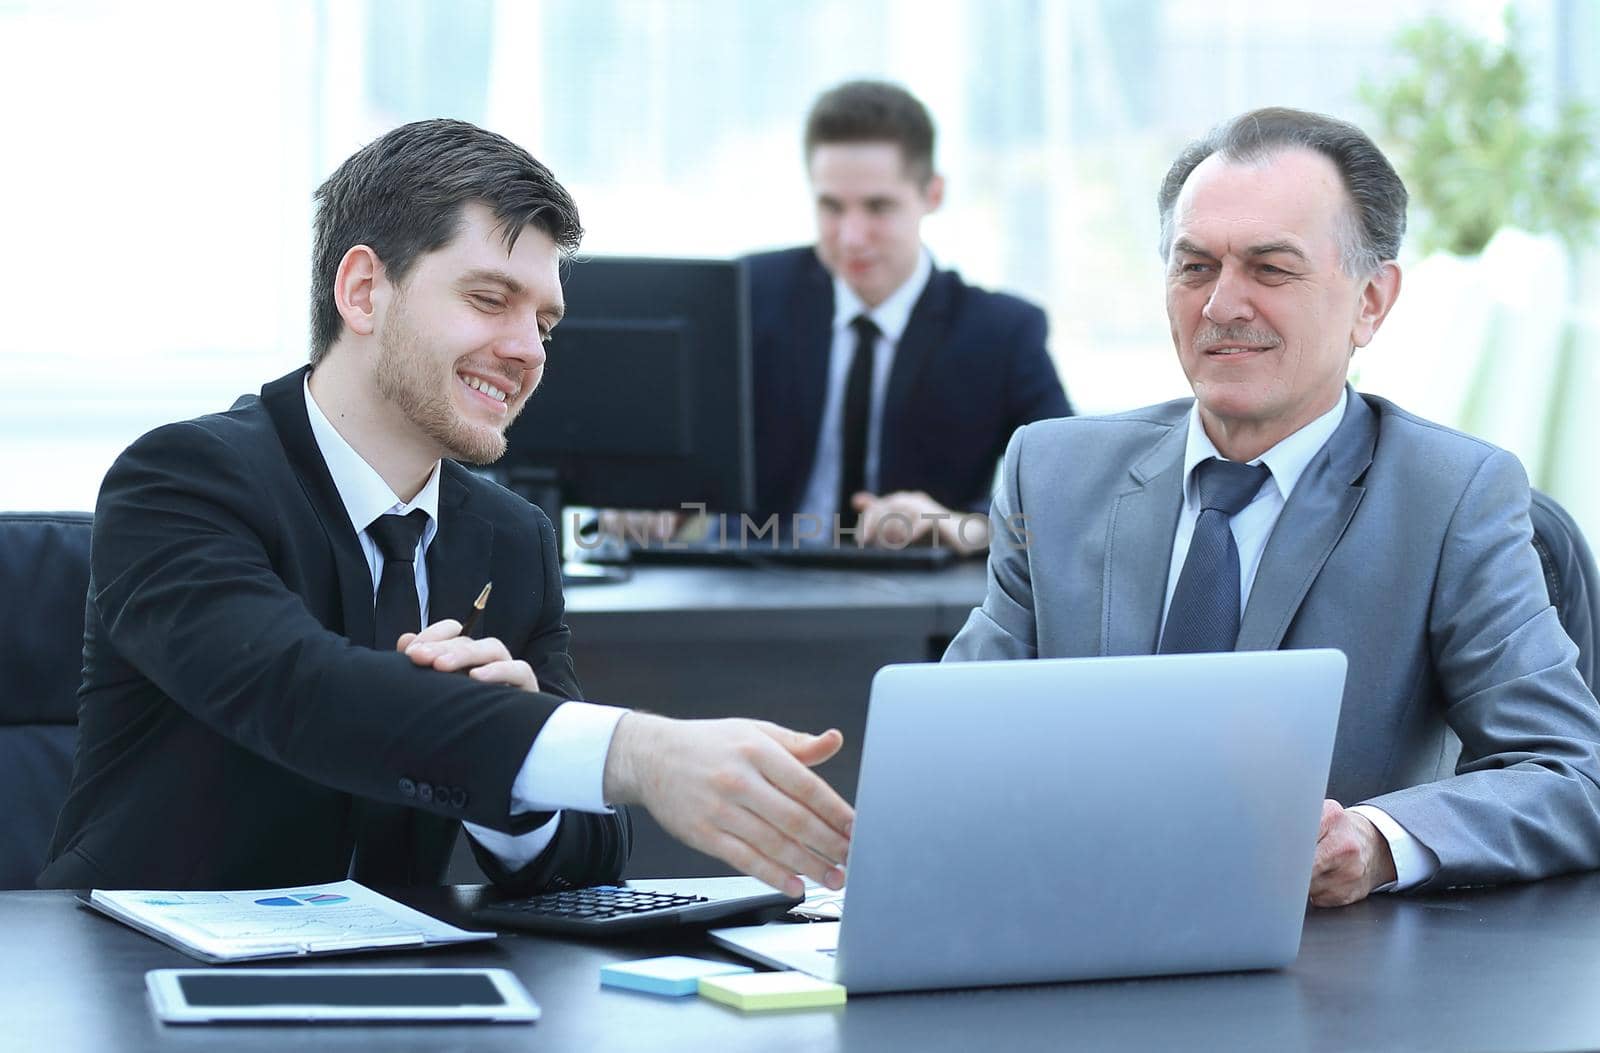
337	918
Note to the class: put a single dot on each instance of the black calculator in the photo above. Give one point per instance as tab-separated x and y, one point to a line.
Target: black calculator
604	910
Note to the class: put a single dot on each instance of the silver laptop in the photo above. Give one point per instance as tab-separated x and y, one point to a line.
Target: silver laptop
1076	819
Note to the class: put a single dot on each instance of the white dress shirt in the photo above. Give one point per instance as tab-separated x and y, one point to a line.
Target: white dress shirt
565	767
1414	862
891	316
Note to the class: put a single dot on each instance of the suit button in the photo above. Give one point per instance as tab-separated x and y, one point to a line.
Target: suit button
458	798
408	788
425	792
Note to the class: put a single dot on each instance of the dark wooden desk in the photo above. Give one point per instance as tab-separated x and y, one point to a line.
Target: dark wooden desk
1498	969
795	646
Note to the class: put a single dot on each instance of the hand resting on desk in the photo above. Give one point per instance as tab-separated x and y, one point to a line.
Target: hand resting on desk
1352	858
908	517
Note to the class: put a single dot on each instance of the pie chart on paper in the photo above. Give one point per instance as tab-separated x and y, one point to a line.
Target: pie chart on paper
319	899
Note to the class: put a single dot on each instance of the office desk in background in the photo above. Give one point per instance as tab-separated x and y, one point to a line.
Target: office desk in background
796	646
1516	968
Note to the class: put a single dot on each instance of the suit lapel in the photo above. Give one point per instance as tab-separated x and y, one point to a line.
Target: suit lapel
924	332
1139	547
811	313
1308	529
284	400
458	558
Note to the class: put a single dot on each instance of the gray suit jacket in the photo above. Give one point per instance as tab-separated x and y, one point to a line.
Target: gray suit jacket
1406	545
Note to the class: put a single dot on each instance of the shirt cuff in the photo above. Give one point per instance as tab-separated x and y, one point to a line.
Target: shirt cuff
515	851
566	768
1414	862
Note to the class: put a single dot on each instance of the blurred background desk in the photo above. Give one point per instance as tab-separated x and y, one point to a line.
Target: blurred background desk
1495	969
797	646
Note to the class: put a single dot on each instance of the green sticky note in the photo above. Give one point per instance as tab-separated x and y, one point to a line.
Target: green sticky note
756	991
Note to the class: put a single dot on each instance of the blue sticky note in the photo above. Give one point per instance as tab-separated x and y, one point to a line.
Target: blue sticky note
673	974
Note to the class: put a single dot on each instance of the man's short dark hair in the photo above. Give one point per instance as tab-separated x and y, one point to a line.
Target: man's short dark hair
1377	219
402	195
874	111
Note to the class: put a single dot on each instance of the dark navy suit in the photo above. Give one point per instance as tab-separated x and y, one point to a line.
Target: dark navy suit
969	370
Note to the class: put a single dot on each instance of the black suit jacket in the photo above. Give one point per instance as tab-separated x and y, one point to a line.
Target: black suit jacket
970	369
232	706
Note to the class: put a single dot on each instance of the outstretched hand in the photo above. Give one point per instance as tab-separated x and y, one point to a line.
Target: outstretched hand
740	790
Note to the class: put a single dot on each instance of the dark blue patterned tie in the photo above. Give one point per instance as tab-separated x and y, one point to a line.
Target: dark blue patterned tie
1204	615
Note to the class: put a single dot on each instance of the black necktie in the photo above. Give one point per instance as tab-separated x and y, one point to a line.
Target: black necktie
857	414
383	851
398	609
1204	615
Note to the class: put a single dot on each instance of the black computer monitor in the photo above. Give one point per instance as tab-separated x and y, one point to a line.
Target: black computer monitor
645	401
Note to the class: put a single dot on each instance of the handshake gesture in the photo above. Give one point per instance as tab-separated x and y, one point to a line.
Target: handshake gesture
739	790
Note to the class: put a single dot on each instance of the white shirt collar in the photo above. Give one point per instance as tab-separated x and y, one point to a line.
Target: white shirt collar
364	493
892	315
1287	461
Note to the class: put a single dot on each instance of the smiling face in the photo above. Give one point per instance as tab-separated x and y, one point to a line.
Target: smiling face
869	215
461	341
1263	315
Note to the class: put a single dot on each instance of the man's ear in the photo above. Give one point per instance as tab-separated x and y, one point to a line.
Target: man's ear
933	193
1382	289
354	288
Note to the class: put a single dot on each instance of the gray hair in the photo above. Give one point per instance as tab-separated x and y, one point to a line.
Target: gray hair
1376	219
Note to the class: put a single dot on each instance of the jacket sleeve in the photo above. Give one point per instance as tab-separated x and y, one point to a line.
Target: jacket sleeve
1003	627
1035	391
1525	800
185	583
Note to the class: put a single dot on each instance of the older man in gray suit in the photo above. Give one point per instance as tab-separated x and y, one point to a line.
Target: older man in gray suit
1278	508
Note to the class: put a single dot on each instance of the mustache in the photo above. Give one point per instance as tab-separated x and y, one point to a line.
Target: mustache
1216	335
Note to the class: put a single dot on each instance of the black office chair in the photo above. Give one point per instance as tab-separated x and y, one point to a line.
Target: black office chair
1571	579
44	579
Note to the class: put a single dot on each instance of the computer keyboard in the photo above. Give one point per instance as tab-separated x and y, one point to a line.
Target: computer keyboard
759	553
604	910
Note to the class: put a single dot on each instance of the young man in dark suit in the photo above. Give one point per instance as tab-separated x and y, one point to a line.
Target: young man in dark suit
259	706
885	387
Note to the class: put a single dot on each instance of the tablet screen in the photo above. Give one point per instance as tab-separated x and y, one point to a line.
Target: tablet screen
352	989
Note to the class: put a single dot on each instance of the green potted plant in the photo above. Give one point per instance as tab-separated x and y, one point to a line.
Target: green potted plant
1462	124
1489	334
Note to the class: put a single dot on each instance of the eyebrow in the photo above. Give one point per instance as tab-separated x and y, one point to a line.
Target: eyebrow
498	277
1189	248
1272	248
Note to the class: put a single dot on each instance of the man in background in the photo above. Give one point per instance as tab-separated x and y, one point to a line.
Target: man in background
885	387
261	703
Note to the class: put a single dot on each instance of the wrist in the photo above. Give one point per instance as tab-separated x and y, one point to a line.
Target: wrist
622	778
1380	859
